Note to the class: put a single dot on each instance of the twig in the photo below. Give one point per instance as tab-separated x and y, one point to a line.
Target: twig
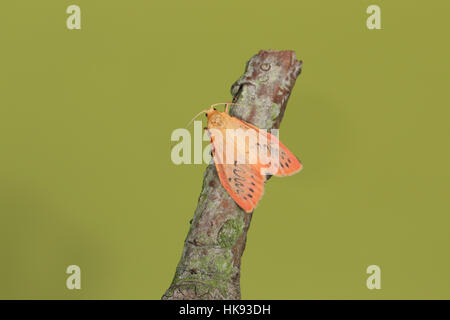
210	263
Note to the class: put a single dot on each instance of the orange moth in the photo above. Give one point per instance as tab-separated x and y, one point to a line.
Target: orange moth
244	155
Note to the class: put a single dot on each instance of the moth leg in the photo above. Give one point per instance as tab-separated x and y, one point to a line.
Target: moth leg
227	107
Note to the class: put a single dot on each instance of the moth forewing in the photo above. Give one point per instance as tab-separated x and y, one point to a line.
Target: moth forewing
217	142
244	154
240	144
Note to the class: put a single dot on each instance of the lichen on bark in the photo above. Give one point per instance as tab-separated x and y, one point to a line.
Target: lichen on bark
209	267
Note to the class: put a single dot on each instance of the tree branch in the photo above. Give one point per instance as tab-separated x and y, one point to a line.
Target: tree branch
210	263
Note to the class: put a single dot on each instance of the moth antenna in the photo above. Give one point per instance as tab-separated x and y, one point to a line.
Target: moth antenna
218	104
189	123
227	105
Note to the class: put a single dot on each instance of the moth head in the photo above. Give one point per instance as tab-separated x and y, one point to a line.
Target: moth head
215	118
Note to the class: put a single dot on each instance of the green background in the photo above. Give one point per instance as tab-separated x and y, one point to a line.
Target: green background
85	123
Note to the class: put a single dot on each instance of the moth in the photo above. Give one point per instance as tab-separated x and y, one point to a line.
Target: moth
244	155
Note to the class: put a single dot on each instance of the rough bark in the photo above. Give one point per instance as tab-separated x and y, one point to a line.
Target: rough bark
210	263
